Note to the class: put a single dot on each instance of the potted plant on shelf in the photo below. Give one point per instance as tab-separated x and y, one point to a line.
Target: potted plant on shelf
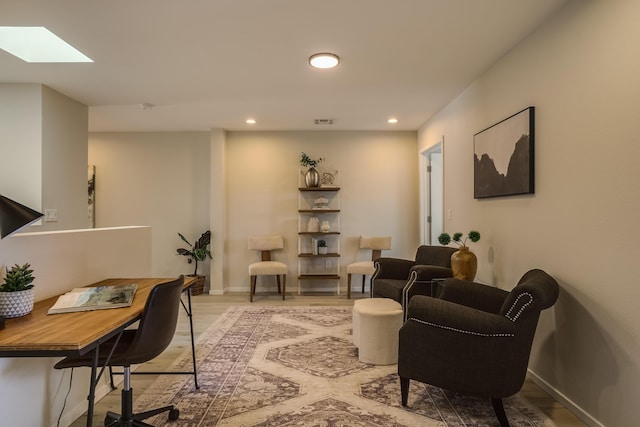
464	263
322	247
16	292
311	177
199	251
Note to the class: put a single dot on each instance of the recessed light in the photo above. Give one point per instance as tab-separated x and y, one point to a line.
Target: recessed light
324	60
392	120
37	44
251	121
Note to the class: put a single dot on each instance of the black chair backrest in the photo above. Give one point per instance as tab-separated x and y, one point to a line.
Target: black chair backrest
535	291
158	322
434	255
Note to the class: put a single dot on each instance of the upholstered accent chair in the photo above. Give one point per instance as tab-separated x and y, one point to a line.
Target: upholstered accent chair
400	279
474	339
267	267
367	268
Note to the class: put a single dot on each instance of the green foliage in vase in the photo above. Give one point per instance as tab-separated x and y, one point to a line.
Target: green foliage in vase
199	251
322	244
445	238
307	161
18	278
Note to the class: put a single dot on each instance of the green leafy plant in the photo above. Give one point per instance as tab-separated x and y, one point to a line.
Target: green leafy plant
322	244
445	238
18	278
199	251
307	161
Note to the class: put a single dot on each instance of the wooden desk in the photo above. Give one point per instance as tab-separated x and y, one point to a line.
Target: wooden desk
39	334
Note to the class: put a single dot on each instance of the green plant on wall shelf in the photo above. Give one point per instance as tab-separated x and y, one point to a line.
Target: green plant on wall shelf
445	238
307	161
199	251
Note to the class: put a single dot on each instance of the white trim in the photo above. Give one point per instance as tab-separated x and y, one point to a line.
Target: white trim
564	400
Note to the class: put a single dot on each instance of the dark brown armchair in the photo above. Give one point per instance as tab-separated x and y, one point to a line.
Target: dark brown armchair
475	339
400	279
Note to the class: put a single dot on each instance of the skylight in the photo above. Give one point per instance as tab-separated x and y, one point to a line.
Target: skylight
37	44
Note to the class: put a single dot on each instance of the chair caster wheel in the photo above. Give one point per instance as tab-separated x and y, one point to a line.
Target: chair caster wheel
174	414
108	420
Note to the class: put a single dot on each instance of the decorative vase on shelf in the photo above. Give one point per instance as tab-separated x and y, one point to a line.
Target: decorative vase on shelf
323	250
325	227
312	178
464	264
313	225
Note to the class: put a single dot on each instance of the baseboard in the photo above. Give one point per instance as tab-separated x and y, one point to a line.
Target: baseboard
584	416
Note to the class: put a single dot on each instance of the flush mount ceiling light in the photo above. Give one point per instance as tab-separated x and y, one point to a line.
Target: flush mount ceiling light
37	44
324	60
392	120
250	121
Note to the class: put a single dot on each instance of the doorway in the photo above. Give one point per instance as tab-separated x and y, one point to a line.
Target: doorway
432	194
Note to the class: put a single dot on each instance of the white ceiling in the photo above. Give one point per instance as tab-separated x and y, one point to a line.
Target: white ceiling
213	63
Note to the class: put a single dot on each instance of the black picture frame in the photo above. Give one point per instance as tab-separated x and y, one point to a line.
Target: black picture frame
503	157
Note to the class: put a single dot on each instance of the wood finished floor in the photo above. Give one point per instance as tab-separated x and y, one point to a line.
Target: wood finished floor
207	308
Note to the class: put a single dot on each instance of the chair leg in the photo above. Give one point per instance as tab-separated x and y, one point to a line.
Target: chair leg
284	285
349	286
252	287
404	390
278	281
498	408
363	279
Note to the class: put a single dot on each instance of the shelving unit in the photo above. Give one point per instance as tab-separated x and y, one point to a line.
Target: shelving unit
318	205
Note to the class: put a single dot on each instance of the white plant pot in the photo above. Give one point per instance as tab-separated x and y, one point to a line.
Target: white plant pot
16	304
322	250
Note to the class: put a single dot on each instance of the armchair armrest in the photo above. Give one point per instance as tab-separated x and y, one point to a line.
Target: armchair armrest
393	268
447	315
474	295
426	273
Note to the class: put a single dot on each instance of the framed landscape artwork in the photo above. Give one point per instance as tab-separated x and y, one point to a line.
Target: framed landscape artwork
503	157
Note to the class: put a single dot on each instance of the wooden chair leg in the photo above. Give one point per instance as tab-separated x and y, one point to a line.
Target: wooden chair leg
349	286
252	288
404	390
498	408
278	280
284	285
364	276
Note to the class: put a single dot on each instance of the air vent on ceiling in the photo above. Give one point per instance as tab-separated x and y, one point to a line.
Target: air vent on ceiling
323	121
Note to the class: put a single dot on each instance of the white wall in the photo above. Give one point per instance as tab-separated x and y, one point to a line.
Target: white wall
581	72
378	177
21	143
43	141
62	260
259	171
65	125
155	179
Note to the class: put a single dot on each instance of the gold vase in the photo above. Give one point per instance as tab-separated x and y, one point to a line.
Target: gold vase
464	264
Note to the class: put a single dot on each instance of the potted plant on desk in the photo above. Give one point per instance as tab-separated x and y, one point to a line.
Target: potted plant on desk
16	292
199	251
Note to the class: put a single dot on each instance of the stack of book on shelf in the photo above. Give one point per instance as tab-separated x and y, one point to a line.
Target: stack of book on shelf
96	298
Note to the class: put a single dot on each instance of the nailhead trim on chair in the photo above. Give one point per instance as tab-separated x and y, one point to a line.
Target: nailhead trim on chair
514	318
461	330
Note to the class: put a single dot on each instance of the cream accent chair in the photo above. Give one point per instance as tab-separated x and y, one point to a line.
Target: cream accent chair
266	267
377	245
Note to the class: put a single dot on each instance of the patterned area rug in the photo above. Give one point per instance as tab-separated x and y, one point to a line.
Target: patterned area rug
297	366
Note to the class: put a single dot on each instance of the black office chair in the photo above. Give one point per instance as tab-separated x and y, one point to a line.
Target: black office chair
152	337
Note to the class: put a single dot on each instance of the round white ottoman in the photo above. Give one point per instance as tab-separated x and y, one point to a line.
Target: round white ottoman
376	322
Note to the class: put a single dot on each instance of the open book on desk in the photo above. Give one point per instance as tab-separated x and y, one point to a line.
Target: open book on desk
95	298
